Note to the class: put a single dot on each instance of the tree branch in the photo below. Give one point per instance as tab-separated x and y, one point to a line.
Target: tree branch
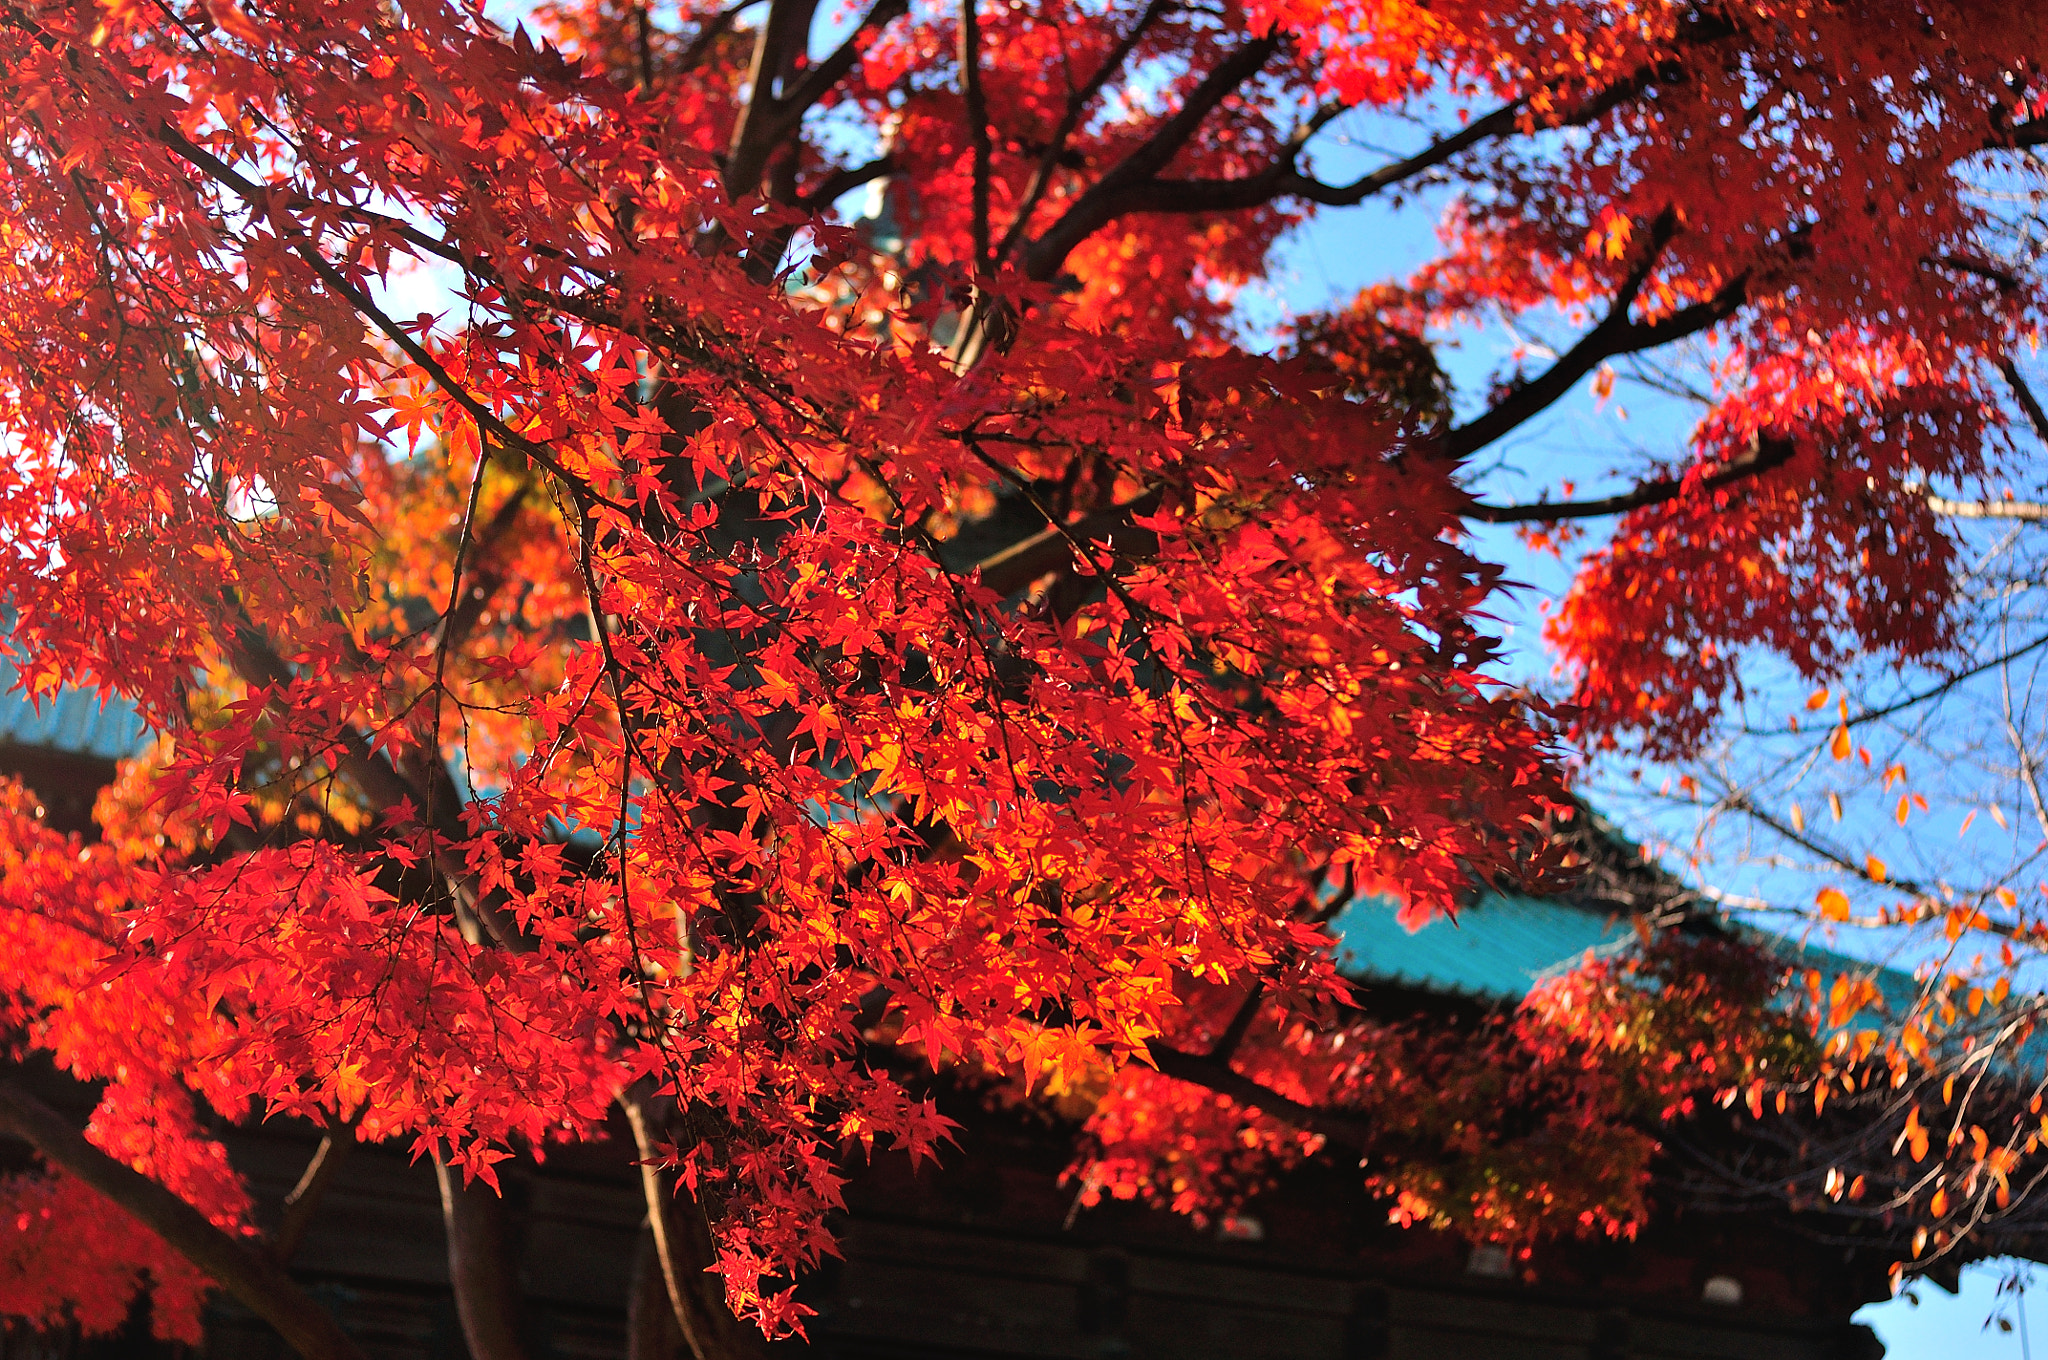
260	199
818	80
643	41
1615	335
1240	1024
2033	132
842	182
1771	454
771	116
372	771
652	1332
1220	1077
1768	454
977	126
1502	120
258	1283
1052	547
714	28
304	1200
683	1248
2033	511
756	132
1926	904
1078	102
1284	179
2029	403
1934	691
1102	201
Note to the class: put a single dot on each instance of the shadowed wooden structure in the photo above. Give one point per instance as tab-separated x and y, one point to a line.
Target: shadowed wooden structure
985	1257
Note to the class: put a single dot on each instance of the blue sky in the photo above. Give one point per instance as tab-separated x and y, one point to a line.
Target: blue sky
1327	262
2000	1313
1335	254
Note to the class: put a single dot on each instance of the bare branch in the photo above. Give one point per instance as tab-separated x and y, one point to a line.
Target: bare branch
1505	119
643	41
1934	691
778	44
817	81
1927	903
1052	547
1768	454
2030	770
651	1329
2033	511
1220	1077
842	182
772	115
1281	179
2033	132
1104	200
1240	1024
479	1268
304	1200
1615	335
683	1247
1284	179
2029	403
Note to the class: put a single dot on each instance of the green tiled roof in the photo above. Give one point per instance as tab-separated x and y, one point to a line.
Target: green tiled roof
71	720
1502	944
1496	950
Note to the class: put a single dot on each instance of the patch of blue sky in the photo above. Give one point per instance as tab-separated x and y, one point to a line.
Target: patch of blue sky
1999	1312
1603	446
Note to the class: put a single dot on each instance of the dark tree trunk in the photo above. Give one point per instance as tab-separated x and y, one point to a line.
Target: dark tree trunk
683	1250
480	1267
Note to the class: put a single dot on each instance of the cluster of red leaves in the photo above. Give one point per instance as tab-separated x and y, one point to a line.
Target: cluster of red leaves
1537	1124
67	1256
1832	555
157	1048
1826	227
1829	230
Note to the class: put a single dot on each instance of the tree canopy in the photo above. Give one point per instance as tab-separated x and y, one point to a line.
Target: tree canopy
731	655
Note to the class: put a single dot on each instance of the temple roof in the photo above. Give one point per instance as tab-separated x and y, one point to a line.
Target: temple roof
72	721
1500	945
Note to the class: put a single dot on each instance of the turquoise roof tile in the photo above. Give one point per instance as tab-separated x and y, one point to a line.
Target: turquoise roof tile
1500	945
70	720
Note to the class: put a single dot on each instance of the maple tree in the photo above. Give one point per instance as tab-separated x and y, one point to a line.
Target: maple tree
724	663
